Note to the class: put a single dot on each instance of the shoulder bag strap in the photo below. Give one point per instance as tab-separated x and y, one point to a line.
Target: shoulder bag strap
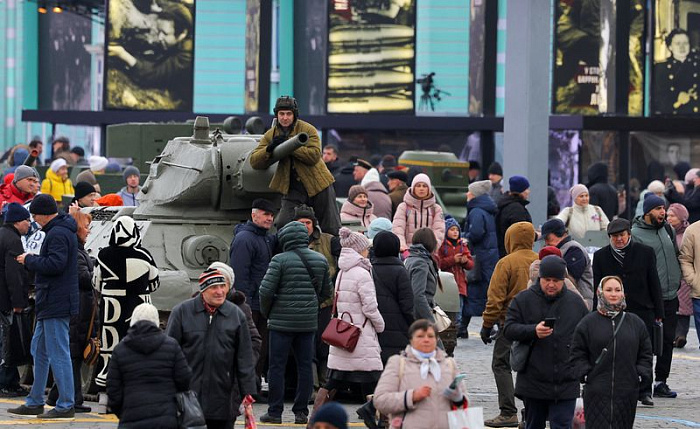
92	318
314	281
605	349
337	289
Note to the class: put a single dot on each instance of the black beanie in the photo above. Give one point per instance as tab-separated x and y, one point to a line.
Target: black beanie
43	204
386	243
496	168
553	266
83	189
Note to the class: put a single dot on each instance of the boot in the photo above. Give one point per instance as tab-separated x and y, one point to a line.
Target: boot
368	414
322	396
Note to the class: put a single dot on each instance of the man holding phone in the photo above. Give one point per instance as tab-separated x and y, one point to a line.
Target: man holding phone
545	316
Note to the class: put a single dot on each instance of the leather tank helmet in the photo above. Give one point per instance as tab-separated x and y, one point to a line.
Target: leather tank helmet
286	102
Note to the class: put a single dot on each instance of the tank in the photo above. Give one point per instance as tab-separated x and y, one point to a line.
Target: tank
448	175
197	190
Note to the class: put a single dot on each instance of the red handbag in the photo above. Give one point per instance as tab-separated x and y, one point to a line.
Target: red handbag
340	333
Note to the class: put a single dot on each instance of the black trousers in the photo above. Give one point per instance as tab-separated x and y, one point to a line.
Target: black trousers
323	203
663	362
261	324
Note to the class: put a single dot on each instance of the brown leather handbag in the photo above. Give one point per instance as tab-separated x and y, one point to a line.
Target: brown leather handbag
92	349
340	333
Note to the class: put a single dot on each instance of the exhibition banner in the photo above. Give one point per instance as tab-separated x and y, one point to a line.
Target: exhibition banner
149	55
371	56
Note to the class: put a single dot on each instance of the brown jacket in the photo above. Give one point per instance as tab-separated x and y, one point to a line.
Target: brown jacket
511	274
397	197
312	172
690	258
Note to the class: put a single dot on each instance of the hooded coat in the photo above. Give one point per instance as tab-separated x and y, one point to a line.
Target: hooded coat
414	214
288	299
482	237
394	393
548	374
351	212
511	209
394	294
10	193
377	194
446	257
602	193
251	250
55	186
147	369
305	160
126	274
512	273
423	274
666	250
357	302
612	386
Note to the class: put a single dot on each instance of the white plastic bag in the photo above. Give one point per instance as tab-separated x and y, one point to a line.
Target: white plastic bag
579	417
466	418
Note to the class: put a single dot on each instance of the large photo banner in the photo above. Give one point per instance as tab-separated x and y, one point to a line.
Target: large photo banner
676	59
371	59
150	51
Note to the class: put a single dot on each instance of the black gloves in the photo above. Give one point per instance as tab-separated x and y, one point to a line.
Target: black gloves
276	141
486	334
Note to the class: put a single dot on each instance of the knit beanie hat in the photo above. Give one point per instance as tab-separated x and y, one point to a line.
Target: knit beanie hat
97	163
43	204
577	190
147	312
680	211
57	164
131	171
549	250
495	168
518	184
113	167
353	240
652	201
86	176
83	189
378	225
691	175
421	178
24	171
371	176
386	243
210	277
482	187
656	187
553	267
15	212
225	270
110	200
333	414
354	191
449	223
78	151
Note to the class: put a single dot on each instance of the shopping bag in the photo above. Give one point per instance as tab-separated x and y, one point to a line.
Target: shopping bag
247	411
579	417
466	417
189	412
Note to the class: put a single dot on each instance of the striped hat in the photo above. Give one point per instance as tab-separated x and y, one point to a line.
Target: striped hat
210	277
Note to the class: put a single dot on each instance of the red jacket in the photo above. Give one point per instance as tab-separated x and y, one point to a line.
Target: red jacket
446	255
11	194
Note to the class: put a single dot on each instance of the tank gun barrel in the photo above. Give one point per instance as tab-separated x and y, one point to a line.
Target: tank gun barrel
33	155
286	148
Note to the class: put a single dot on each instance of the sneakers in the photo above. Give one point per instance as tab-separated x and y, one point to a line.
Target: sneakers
267	418
502	421
27	411
646	401
663	391
54	414
300	418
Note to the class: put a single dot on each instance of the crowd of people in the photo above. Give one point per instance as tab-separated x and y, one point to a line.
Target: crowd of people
560	318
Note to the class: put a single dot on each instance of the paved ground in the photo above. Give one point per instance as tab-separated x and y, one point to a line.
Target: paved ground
474	359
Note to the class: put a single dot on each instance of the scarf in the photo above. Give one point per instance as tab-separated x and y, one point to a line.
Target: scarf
428	364
210	310
604	306
619	254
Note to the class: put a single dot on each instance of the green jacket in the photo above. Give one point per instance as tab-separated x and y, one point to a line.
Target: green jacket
667	264
287	297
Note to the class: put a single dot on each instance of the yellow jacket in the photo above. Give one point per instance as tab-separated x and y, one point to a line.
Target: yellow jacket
511	274
55	186
312	172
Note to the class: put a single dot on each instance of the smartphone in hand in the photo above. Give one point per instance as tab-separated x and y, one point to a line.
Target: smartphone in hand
549	322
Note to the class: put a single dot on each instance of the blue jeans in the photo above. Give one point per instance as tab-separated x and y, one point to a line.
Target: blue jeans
464	316
560	414
280	344
50	347
696	315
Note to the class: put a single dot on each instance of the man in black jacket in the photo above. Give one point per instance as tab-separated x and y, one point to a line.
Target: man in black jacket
214	337
512	209
545	316
602	193
635	264
14	287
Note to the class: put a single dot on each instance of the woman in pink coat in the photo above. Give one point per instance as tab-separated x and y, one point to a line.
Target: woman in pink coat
418	210
356	300
357	207
416	385
677	215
